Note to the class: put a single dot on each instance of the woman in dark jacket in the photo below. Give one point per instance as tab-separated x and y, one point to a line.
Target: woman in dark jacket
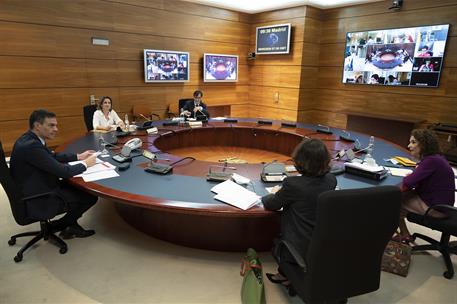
298	199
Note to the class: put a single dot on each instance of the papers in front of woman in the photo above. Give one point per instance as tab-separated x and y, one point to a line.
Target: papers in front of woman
399	171
235	195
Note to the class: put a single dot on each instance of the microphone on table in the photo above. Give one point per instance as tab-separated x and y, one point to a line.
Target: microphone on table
323	129
346	136
206	116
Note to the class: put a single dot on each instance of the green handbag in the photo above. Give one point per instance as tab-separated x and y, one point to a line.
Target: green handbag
252	290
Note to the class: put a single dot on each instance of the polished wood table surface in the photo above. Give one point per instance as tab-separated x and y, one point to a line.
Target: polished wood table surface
180	208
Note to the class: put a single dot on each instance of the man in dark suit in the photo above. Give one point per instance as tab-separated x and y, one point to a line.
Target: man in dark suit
196	108
36	169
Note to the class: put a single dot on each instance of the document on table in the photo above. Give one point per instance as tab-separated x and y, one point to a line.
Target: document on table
100	170
399	171
235	195
104	166
99	175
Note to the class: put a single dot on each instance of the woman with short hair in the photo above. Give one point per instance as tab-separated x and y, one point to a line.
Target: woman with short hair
298	200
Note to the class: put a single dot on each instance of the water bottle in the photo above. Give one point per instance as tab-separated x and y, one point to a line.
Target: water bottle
126	121
369	157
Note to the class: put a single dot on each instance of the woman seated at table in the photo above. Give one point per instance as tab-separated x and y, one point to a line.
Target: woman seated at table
105	118
298	198
431	183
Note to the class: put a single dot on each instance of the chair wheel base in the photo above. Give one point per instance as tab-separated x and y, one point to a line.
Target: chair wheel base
11	242
18	258
63	250
448	274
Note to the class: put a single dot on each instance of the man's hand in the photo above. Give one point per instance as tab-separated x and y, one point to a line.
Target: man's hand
90	161
275	189
85	154
186	113
198	109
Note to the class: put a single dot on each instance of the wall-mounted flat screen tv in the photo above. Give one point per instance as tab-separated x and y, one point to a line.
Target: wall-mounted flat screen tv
166	66
218	67
273	39
410	56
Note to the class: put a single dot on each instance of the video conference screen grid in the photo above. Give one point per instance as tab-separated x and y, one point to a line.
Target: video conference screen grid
410	56
218	67
273	39
164	66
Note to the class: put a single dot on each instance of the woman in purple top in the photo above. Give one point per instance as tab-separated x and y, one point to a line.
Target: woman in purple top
431	183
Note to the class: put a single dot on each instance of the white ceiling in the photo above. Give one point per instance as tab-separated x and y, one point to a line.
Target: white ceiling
257	6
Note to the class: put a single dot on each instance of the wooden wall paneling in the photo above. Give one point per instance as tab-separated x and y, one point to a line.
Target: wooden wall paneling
293	58
135	19
39	72
309	78
272	112
430	108
275	75
308	99
189	8
263	95
312	31
331	78
54	41
381	6
328	118
17	104
281	14
69	127
161	96
334	30
240	110
310	54
78	13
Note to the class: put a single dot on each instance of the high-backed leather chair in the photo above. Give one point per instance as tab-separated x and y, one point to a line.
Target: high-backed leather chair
344	255
182	102
447	227
88	112
18	208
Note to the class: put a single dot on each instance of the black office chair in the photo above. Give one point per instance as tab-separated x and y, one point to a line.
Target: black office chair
447	227
88	112
18	208
182	102
344	255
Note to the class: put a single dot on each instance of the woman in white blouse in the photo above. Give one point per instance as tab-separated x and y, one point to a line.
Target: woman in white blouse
105	118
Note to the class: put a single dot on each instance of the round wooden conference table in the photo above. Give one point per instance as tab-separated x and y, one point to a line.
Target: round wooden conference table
180	208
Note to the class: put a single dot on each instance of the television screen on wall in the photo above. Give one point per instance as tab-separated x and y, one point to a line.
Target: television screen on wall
273	39
166	66
410	56
218	67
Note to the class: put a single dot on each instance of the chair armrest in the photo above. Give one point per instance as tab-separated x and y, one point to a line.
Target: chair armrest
447	207
294	252
42	195
155	115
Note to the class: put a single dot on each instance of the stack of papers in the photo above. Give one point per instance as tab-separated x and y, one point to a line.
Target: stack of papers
235	195
404	161
400	172
100	170
365	167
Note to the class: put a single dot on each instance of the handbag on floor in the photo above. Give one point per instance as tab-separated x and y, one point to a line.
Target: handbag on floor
252	289
396	258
